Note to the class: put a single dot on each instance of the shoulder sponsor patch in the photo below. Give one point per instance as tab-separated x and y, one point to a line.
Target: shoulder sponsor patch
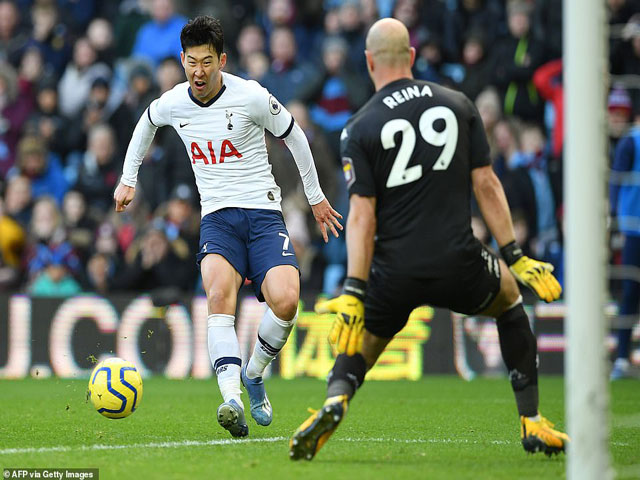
348	170
274	105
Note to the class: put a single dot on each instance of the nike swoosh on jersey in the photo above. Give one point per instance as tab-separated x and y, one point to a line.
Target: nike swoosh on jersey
182	125
285	254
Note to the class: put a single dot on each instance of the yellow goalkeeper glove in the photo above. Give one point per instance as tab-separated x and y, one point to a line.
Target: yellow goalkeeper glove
348	327
532	273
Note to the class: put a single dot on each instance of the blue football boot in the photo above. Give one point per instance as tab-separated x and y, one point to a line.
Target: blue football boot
261	410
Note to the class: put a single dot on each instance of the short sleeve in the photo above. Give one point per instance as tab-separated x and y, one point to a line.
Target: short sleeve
268	113
355	165
480	152
159	112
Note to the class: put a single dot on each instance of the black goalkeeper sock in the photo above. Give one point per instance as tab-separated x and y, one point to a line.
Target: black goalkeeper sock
520	354
347	375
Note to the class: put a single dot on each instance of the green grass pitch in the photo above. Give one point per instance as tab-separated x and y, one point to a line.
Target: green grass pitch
436	428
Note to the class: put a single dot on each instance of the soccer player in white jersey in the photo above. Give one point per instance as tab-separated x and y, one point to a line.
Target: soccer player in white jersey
221	119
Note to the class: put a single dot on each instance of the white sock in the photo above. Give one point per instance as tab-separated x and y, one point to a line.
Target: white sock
224	352
272	335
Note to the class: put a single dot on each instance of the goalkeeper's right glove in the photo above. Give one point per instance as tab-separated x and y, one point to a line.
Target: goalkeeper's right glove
532	273
348	327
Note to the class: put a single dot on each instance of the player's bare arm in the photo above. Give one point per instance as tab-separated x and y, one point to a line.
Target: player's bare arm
495	210
493	204
361	230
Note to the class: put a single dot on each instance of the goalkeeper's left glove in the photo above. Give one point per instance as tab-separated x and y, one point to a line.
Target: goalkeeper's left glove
534	274
348	327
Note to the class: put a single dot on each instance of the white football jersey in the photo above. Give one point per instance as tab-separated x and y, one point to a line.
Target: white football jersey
225	141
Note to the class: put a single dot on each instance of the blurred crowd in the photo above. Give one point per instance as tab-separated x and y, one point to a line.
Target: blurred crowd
75	75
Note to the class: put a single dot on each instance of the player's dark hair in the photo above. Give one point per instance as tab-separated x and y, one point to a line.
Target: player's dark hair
203	30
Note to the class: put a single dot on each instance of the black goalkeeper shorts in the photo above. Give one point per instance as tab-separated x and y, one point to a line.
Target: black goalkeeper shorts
390	299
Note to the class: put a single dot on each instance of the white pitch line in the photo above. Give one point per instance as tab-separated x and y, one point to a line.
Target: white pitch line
185	443
200	443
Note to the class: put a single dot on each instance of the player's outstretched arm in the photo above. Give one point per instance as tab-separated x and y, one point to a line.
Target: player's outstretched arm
493	204
140	140
323	212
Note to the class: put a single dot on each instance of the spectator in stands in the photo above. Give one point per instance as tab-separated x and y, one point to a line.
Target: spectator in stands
477	68
130	225
131	16
625	51
282	14
31	71
620	11
528	189
408	12
101	107
80	74
160	37
335	93
99	274
18	200
78	224
156	265
77	15
12	243
515	58
41	167
106	260
286	76
14	111
169	74
625	210
429	61
141	91
548	81
47	122
369	13
51	259
619	108
181	221
100	169
507	142
547	27
50	36
257	66
488	105
251	42
351	29
469	16
100	36
12	38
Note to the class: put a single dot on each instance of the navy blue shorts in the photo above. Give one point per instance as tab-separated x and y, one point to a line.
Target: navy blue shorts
253	241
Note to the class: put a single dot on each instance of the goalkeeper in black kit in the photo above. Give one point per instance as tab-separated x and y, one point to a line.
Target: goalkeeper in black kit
411	157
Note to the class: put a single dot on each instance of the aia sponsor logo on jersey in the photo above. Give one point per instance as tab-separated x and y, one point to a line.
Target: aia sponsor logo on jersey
226	150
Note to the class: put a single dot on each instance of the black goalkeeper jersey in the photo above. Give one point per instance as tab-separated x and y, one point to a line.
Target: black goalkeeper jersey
413	146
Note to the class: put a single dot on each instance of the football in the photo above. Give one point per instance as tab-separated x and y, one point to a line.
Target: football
115	388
